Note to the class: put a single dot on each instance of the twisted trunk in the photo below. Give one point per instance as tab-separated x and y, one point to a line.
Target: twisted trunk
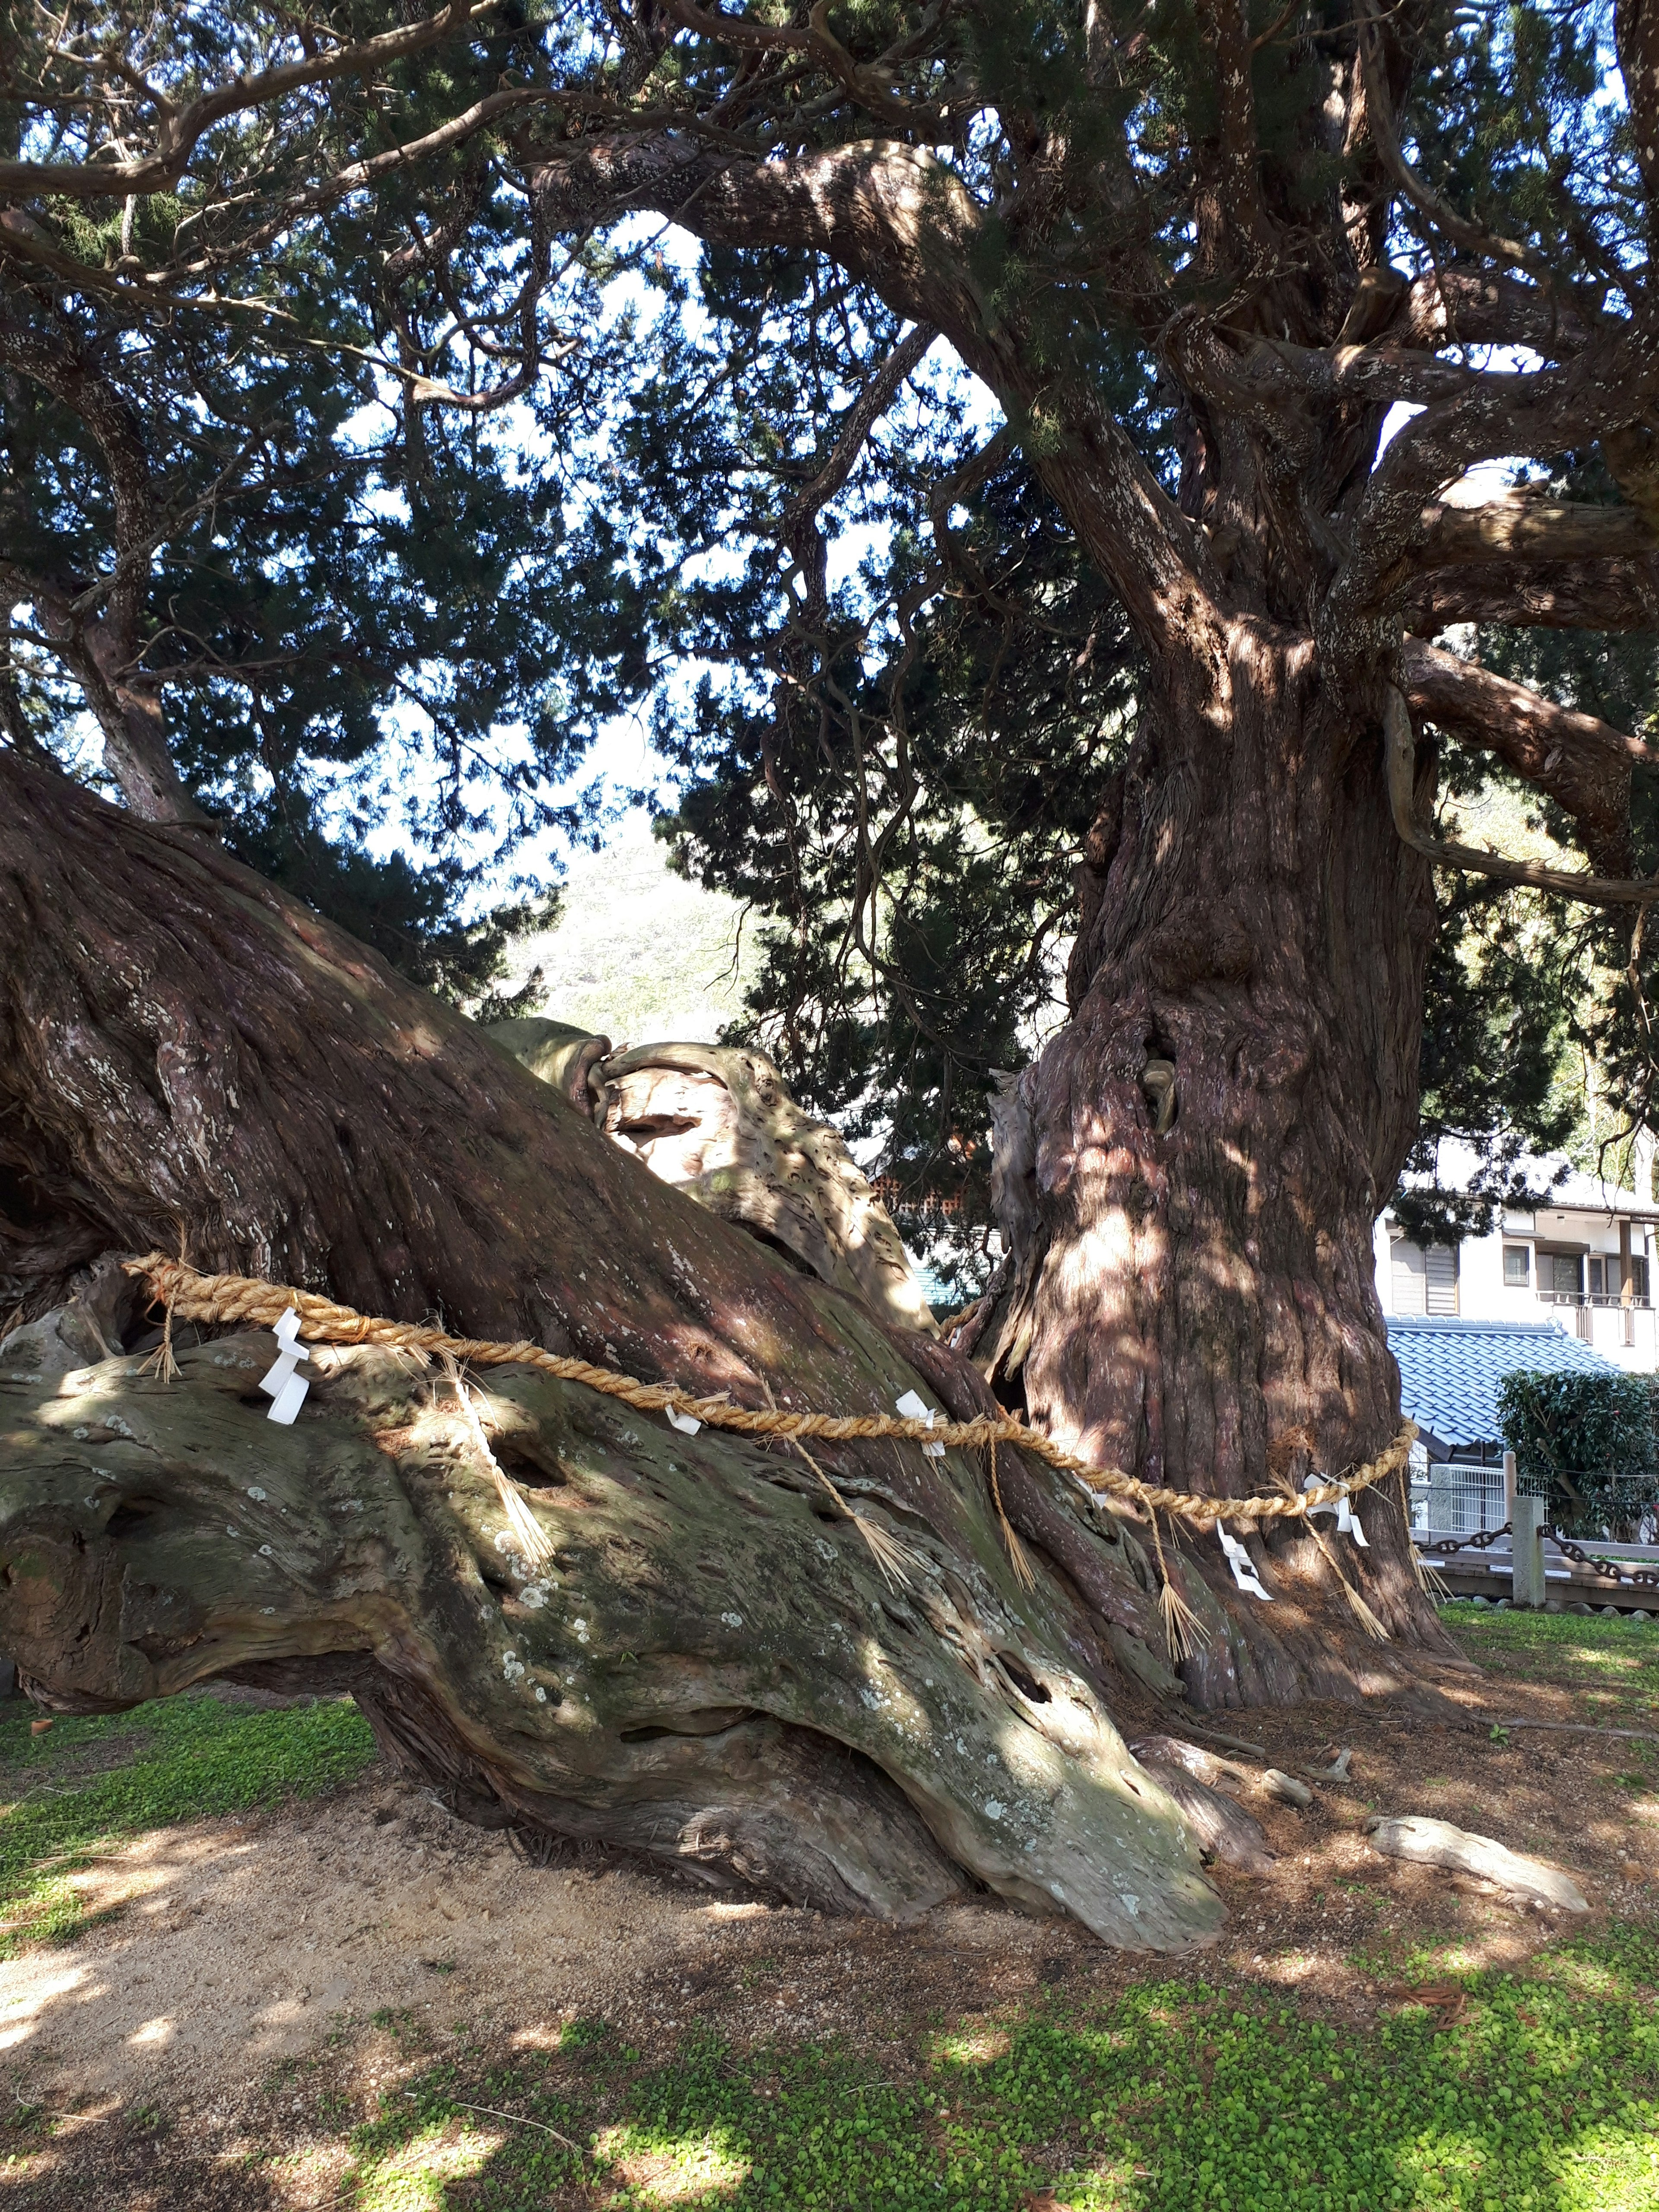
714	1669
1215	1129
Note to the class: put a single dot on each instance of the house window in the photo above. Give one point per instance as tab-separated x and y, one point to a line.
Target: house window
1425	1278
1638	1280
1410	1289
1517	1265
1440	1279
1595	1267
1566	1274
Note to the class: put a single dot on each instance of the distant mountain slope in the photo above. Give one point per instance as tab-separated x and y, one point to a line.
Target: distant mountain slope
638	953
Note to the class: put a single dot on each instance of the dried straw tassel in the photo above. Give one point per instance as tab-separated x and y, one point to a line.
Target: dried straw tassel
532	1538
166	1367
885	1549
1433	1586
1362	1612
1018	1557
1183	1631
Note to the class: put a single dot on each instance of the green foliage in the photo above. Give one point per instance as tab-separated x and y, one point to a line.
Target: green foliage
1181	2096
1586	1443
896	704
90	1782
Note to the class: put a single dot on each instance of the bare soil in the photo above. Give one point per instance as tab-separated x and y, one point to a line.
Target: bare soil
263	1981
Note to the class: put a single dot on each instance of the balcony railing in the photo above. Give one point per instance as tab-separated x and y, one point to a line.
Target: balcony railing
1592	1299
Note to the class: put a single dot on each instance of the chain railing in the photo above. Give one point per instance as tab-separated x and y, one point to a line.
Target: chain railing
1482	1540
1638	1578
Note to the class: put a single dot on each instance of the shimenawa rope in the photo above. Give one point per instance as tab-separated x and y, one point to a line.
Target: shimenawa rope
188	1295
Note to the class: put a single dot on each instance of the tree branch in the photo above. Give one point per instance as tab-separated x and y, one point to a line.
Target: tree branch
1401	750
1635	40
1583	763
895	217
1593	595
181	129
1522	528
801	531
1464	306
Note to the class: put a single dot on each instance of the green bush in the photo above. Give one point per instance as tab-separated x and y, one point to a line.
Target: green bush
1586	1443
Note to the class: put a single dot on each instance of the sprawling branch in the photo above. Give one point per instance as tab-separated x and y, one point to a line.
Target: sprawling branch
1602	388
1583	763
1470	237
1593	890
103	648
1521	528
895	217
1595	595
801	534
1465	305
181	129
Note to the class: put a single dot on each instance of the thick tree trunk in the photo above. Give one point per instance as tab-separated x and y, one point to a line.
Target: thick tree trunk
1217	1125
188	1058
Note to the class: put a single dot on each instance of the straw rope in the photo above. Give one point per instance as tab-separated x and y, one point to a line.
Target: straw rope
190	1296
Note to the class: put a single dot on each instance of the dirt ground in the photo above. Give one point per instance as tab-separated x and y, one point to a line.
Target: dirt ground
266	1980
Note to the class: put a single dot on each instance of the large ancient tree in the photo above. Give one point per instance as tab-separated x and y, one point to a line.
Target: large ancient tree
1196	255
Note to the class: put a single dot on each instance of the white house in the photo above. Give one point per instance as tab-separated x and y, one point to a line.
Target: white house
1583	1260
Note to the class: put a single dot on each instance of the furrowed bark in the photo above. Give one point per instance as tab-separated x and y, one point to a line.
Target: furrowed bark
1207	1307
194	1059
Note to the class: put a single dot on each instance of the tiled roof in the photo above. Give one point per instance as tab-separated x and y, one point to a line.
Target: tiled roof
1450	1371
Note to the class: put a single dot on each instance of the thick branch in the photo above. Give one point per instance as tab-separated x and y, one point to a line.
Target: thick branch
1461	306
181	129
1600	389
1594	890
895	217
1522	529
1594	595
1583	763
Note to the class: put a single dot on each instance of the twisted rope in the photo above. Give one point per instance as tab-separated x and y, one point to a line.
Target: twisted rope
190	1296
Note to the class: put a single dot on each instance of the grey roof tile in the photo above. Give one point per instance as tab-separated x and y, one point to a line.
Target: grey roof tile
1450	1371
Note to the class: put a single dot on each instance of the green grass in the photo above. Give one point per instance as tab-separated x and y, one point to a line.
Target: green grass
180	1759
1615	1660
1175	2097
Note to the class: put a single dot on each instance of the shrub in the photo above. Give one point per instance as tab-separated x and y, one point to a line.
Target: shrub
1586	1442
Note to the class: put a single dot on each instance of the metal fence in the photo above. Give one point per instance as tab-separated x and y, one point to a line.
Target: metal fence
1457	1498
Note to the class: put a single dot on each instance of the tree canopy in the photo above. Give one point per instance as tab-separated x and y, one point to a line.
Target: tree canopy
387	402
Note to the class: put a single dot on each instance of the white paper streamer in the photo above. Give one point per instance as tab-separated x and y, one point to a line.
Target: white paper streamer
286	1389
1347	1521
1238	1559
687	1424
912	1408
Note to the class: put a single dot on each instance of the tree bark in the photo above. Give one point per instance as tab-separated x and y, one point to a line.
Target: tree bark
190	1059
1207	1306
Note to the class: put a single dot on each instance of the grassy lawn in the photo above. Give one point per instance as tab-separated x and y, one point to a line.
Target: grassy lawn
89	1783
1610	1666
1544	2094
1220	2088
